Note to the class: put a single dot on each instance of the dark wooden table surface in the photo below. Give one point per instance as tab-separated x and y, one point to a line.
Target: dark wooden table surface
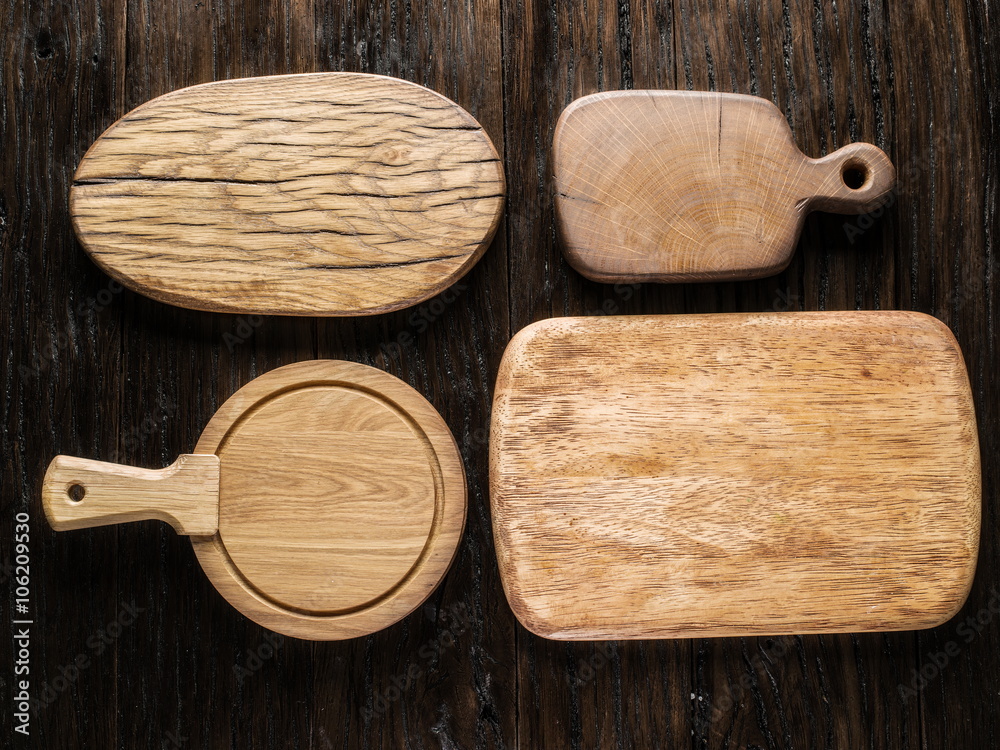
131	647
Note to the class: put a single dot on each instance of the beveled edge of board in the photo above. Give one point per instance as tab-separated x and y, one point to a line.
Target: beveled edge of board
509	364
446	531
200	304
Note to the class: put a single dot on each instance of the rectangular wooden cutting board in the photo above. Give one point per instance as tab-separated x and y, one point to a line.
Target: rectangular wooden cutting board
744	474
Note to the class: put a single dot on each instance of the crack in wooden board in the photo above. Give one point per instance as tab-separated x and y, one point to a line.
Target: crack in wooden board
297	195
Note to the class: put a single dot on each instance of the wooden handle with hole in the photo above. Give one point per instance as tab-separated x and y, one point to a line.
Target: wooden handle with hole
680	186
78	493
855	179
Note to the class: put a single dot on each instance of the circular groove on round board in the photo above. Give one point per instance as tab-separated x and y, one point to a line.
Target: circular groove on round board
332	509
342	500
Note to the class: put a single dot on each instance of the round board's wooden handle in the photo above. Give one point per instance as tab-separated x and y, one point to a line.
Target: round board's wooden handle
854	179
78	493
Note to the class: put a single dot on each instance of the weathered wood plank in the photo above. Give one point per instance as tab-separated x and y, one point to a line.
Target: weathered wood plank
60	338
192	648
920	79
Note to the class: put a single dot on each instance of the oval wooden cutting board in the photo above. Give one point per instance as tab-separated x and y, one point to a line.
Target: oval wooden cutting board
320	194
325	500
730	475
695	185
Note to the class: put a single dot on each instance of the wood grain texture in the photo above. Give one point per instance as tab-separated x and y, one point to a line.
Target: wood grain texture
695	186
61	65
361	522
176	356
902	78
132	380
310	194
325	499
78	493
460	643
731	475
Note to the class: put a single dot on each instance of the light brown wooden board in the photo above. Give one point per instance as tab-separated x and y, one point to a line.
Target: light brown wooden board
325	499
727	475
695	186
315	194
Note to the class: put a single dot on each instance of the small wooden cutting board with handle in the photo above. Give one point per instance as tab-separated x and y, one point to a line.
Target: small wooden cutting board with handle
322	194
731	475
695	186
325	500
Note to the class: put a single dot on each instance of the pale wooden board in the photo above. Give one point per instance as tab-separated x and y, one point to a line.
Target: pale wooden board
694	186
353	495
313	194
78	493
325	499
743	474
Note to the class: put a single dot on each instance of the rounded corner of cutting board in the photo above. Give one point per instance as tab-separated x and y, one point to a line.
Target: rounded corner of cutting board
535	623
512	362
938	327
539	627
521	341
584	259
962	592
581	102
949	606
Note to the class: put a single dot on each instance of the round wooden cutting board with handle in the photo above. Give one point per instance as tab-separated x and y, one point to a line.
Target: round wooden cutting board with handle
325	500
333	194
733	475
695	186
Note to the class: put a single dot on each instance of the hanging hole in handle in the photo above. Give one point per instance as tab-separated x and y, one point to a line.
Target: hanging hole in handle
854	175
76	492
